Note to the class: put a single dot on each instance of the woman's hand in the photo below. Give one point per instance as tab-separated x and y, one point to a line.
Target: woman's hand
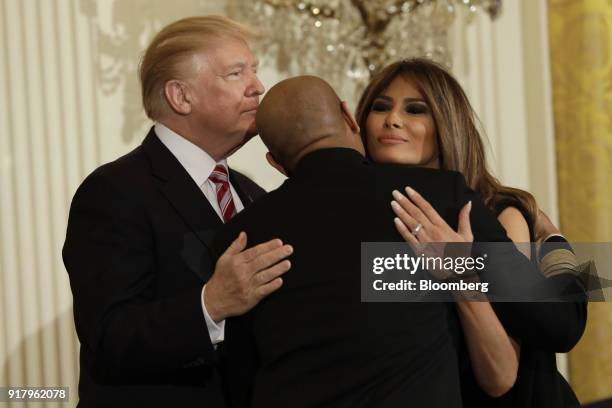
419	223
427	233
493	354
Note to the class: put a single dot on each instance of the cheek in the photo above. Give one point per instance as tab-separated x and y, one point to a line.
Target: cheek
227	97
418	130
432	139
217	102
423	132
372	127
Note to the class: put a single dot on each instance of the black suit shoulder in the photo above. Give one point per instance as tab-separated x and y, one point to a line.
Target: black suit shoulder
248	186
401	170
447	183
129	171
118	190
447	188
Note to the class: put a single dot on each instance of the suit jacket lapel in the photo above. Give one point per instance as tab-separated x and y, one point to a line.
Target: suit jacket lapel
180	190
242	192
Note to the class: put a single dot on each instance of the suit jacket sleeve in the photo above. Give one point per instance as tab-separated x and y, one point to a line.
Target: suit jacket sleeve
110	255
554	326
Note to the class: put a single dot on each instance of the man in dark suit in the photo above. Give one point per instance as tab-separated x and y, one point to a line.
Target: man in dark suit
148	310
314	343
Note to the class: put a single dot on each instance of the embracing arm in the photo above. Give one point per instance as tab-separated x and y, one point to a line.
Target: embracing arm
558	326
552	326
493	355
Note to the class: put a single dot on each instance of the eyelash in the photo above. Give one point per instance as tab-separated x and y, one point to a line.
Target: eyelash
412	108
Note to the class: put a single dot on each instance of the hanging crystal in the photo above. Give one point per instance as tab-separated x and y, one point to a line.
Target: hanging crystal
345	41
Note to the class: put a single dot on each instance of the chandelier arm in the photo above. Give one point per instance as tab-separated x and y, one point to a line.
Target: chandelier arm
362	36
363	12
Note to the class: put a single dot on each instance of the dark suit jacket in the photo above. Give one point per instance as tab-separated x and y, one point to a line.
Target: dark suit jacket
314	343
137	252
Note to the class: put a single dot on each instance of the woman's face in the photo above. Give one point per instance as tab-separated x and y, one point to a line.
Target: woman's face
400	128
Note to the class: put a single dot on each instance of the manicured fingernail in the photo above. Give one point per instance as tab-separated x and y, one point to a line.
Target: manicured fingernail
395	205
409	190
396	194
398	222
470	205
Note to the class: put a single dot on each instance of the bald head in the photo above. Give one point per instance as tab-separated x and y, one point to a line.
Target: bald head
298	115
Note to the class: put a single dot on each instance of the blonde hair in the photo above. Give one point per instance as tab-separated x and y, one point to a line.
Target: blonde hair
460	146
170	50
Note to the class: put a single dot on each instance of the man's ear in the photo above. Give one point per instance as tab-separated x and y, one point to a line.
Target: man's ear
348	117
275	164
178	96
352	123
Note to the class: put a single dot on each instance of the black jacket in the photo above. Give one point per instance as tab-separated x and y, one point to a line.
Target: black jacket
137	252
314	343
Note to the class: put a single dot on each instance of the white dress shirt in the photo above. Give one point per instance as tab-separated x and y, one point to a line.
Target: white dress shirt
199	165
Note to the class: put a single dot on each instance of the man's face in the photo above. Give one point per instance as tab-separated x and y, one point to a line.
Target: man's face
225	91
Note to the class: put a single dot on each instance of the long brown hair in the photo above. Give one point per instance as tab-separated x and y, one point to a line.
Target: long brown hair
460	146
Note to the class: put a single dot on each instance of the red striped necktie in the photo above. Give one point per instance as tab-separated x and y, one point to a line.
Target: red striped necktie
224	196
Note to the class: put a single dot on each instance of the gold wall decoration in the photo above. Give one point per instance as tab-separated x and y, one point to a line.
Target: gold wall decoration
581	62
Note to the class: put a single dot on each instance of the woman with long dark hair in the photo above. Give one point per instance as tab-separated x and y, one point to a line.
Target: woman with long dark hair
414	112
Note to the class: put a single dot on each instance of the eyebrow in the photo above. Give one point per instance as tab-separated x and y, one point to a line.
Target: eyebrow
388	98
241	65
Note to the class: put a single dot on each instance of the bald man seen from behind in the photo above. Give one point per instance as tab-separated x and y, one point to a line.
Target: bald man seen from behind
314	343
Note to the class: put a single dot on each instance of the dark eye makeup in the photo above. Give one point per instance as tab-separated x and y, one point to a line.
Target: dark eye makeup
417	108
414	108
381	106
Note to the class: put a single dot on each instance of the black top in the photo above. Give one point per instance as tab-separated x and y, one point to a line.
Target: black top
314	343
538	383
508	201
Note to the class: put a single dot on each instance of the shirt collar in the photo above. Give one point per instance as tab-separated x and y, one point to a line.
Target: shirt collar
196	161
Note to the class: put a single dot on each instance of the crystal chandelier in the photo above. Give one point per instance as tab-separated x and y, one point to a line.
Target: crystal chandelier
345	41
